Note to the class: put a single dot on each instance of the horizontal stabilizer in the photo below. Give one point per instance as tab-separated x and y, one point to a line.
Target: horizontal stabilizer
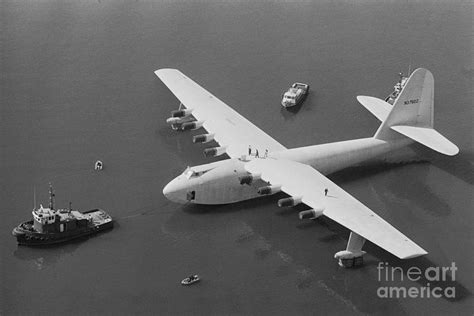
428	137
376	106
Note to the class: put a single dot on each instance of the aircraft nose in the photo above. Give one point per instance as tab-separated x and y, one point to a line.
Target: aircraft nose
173	191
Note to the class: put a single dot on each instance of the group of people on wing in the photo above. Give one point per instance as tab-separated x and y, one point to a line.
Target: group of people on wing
256	153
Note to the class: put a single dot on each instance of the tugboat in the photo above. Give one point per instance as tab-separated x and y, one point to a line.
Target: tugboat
397	88
51	226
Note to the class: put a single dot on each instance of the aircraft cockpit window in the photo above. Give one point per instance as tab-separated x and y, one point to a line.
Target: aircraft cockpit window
190	173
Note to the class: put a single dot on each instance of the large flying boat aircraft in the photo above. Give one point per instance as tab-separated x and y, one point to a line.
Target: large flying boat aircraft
300	172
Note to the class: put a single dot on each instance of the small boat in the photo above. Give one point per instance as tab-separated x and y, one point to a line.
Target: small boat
190	280
295	94
98	165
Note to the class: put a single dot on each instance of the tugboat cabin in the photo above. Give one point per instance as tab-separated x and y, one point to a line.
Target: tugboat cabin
46	220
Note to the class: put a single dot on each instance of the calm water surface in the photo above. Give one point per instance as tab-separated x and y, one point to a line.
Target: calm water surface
77	85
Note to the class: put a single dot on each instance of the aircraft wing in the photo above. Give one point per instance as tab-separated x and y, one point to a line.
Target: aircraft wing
231	130
303	181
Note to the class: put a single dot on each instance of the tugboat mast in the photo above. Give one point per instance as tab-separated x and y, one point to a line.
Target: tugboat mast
51	197
34	198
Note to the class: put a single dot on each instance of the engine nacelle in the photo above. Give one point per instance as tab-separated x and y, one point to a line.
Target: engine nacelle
192	125
203	138
248	179
291	201
311	214
214	151
181	113
175	120
271	189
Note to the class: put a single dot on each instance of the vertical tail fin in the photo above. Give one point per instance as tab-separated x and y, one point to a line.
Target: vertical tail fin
413	106
412	115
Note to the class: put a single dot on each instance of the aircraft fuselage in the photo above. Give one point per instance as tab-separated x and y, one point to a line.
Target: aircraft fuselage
220	182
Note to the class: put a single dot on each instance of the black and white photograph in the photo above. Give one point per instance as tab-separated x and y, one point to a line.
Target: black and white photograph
221	157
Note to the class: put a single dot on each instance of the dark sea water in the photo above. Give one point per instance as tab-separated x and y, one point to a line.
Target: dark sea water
77	85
